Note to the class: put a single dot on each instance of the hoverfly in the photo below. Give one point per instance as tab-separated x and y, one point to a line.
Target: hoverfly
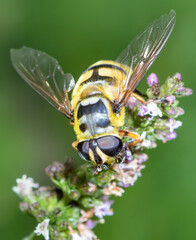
97	106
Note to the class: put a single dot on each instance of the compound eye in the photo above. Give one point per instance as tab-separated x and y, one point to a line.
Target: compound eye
83	150
110	145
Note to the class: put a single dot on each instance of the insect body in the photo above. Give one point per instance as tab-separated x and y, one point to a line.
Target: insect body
97	107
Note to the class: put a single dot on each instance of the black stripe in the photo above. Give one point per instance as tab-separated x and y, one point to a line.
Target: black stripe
95	78
106	66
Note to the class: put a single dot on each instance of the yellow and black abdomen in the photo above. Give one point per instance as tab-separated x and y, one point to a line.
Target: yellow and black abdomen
91	100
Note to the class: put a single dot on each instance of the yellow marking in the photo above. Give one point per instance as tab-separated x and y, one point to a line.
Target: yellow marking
91	155
104	158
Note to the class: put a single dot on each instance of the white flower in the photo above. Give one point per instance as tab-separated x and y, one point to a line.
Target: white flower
42	229
153	110
173	124
25	186
145	142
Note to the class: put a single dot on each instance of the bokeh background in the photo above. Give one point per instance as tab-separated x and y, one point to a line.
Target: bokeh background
162	204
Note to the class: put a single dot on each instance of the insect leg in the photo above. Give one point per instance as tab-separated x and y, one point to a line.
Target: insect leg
139	98
125	133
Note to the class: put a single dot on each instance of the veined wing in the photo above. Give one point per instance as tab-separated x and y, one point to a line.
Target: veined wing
142	51
44	74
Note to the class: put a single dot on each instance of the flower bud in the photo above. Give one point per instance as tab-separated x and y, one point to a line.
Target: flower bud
170	99
178	76
152	79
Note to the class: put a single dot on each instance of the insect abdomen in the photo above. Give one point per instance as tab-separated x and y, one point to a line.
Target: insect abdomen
93	116
92	97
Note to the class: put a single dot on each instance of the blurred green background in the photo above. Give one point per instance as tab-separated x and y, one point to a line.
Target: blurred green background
162	204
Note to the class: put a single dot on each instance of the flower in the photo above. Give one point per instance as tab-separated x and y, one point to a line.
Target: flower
129	156
132	169
74	234
152	79
90	224
184	91
103	209
171	135
132	102
144	142
85	233
141	157
42	229
113	189
165	136
178	76
142	111
170	99
173	124
153	110
123	177
25	186
150	109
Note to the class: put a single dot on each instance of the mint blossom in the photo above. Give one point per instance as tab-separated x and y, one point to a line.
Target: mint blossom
90	224
171	99
143	111
129	156
175	111
73	233
127	173
103	209
173	124
184	91
113	189
85	233
171	135
178	76
132	102
42	229
165	136
153	110
152	79
145	142
25	186
141	157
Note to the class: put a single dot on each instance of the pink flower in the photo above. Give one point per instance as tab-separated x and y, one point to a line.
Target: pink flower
178	76
152	79
170	98
132	102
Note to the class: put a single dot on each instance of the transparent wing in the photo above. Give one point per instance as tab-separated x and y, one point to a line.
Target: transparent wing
44	74
142	51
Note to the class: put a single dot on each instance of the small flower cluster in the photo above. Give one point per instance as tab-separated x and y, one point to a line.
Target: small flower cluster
81	196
